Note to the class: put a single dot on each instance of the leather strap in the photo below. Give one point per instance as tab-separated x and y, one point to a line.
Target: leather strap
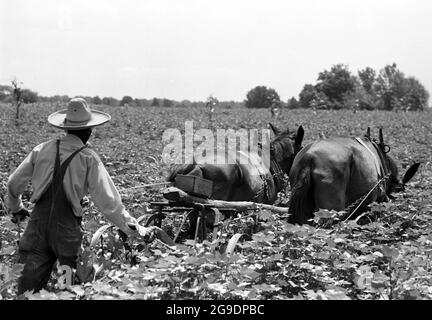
376	161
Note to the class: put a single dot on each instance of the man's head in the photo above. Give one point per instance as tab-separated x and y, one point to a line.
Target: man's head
83	134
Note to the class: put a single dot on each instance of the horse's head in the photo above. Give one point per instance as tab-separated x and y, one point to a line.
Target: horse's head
394	184
285	146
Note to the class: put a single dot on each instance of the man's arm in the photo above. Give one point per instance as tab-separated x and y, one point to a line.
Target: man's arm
107	199
18	182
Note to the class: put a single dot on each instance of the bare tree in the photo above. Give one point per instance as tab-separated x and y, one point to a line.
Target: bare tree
17	95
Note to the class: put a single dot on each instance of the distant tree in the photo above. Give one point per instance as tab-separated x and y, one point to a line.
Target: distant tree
60	99
155	102
29	96
186	103
138	102
416	96
109	101
390	89
364	100
367	78
336	83
5	92
126	100
307	96
261	97
167	103
388	86
96	100
293	103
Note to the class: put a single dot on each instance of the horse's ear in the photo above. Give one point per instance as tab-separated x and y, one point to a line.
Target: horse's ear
368	133
381	137
299	137
275	130
410	172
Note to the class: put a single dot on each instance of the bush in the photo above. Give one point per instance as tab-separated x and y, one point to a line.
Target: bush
261	97
293	103
126	100
307	95
29	96
389	90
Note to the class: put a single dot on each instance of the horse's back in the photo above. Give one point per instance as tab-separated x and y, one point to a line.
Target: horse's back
236	176
327	158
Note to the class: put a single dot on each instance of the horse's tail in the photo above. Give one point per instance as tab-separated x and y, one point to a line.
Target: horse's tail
302	204
180	169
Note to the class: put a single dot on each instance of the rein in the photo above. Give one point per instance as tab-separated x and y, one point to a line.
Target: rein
275	170
357	204
277	175
382	169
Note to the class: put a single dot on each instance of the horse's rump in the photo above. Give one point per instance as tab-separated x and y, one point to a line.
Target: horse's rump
331	174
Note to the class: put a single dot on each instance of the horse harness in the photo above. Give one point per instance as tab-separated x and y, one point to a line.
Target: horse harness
383	174
377	164
380	164
277	176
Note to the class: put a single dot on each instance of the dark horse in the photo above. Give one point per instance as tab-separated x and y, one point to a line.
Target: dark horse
252	181
334	173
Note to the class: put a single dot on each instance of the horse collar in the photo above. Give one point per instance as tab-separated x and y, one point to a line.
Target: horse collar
380	164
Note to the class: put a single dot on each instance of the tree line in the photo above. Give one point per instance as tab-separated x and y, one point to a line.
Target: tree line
14	94
338	88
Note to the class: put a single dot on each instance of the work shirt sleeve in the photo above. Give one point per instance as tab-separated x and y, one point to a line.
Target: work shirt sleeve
17	183
107	198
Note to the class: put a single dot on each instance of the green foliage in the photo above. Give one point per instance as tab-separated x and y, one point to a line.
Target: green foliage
126	100
261	97
293	103
29	96
336	83
109	101
399	92
155	102
307	96
389	90
367	78
167	103
6	93
96	100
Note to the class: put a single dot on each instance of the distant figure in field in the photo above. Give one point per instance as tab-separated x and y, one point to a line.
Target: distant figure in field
210	105
274	109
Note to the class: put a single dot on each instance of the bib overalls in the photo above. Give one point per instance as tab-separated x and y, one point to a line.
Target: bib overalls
53	232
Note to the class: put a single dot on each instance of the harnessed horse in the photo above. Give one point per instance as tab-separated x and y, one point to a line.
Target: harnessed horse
334	173
251	181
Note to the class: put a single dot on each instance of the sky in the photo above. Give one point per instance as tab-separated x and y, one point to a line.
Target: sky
191	49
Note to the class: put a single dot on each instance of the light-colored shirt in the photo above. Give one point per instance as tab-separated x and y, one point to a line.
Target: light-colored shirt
85	174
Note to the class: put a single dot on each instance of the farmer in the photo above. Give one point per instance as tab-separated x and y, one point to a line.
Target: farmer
62	172
274	110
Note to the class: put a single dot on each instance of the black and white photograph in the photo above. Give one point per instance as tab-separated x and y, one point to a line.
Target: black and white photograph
216	158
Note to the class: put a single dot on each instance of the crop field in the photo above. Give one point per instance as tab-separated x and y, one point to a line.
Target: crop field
388	258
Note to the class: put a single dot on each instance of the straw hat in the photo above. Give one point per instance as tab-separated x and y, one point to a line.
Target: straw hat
78	116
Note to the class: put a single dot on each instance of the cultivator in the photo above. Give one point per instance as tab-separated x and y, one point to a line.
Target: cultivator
191	195
190	199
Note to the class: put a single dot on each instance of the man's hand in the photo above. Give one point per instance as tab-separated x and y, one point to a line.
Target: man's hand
149	234
19	216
